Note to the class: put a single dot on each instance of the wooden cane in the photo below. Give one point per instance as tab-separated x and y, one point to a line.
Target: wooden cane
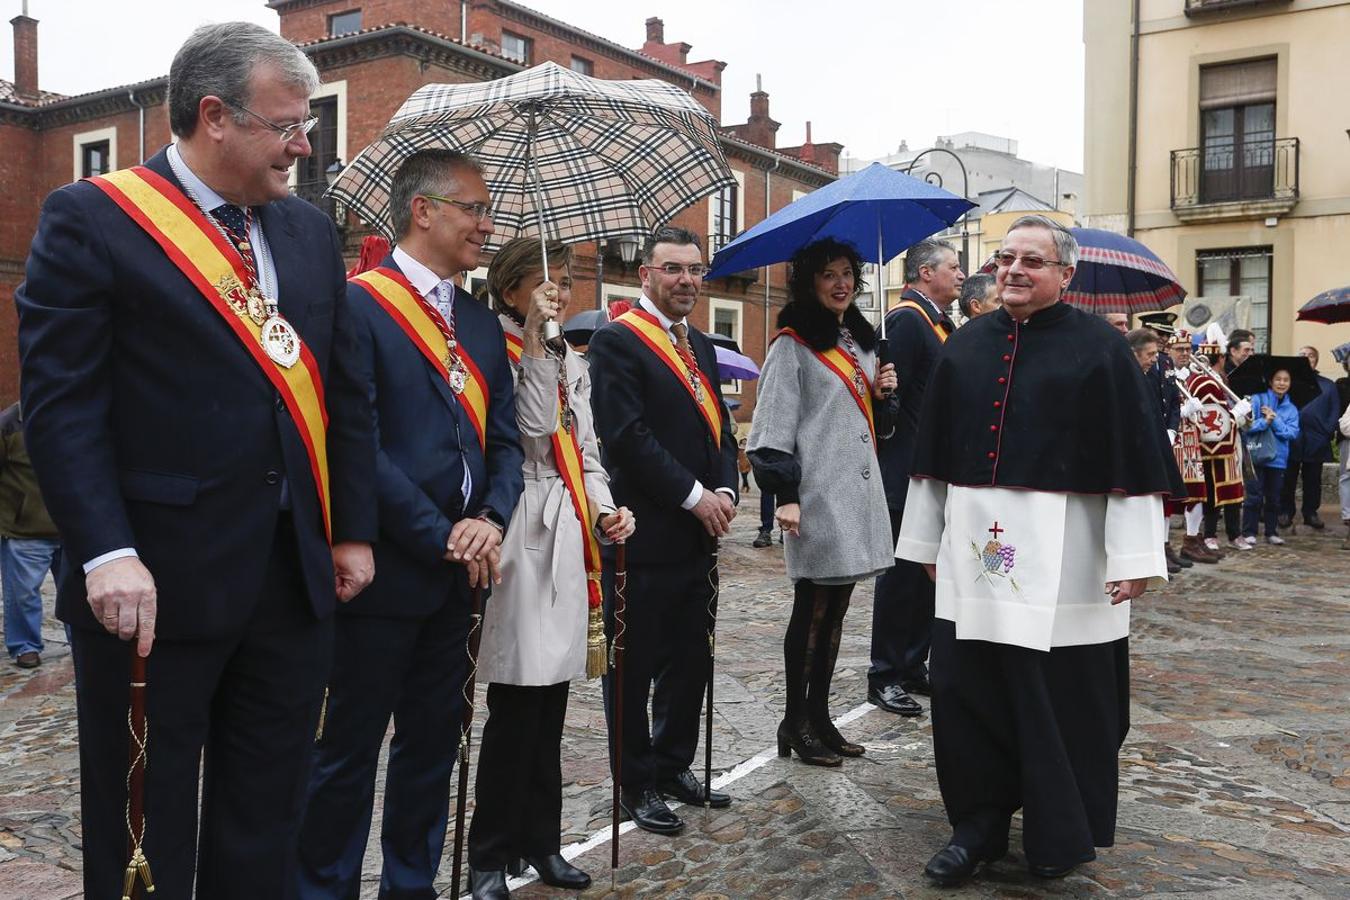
616	662
466	732
715	582
138	867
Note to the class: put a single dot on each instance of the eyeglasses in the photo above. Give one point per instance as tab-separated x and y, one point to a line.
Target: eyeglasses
479	211
675	270
1005	260
287	133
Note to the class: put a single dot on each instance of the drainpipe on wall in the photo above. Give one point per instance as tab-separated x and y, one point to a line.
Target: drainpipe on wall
1134	120
131	95
767	209
464	21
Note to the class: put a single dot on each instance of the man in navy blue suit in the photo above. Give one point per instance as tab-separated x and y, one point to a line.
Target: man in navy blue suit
181	452
902	609
449	475
671	456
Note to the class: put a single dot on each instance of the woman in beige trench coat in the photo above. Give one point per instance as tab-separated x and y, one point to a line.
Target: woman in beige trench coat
535	627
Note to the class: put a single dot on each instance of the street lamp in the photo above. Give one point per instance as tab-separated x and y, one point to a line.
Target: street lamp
934	177
332	173
627	245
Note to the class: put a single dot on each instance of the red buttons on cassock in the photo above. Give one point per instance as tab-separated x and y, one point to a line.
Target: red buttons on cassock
992	454
1010	337
993	428
1007	358
997	404
1002	380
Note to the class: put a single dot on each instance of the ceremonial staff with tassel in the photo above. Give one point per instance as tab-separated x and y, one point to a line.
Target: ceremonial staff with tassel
616	648
671	454
138	746
543	625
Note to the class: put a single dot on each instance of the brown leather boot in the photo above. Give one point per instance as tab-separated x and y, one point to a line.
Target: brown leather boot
1194	549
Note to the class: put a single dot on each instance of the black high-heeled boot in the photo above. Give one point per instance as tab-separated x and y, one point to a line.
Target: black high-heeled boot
835	598
799	648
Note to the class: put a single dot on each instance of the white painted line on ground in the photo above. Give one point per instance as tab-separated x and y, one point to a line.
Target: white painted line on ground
737	772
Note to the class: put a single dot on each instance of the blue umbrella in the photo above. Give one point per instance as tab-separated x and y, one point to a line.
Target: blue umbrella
1117	274
880	211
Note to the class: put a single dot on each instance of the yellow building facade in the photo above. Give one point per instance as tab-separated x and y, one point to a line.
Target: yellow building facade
1234	166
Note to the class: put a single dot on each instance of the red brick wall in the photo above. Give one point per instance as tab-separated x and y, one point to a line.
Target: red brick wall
310	23
19	206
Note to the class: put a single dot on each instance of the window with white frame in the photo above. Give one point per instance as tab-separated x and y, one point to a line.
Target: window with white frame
725	317
726	213
95	153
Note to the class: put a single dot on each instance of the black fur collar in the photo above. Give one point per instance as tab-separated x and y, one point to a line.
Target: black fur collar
820	329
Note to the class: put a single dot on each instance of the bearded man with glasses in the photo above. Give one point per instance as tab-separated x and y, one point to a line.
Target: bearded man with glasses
183	335
1035	503
667	443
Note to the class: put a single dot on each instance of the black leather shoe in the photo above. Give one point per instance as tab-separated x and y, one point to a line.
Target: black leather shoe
951	865
1314	521
558	872
1050	871
685	788
921	686
649	812
893	699
489	885
763	539
1284	521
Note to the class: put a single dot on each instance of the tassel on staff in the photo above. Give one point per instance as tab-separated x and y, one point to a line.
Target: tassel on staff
138	867
595	627
466	732
616	663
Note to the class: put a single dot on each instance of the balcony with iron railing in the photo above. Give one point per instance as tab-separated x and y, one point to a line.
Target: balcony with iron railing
1201	7
1235	181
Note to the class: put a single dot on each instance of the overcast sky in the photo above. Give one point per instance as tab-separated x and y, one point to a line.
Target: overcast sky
866	73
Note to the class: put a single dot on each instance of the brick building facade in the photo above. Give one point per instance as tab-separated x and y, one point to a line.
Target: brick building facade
371	55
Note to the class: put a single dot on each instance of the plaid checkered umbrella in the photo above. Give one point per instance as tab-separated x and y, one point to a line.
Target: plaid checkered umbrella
598	158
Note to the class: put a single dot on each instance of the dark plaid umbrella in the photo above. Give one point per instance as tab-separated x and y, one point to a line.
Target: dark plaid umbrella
1327	307
572	157
1117	274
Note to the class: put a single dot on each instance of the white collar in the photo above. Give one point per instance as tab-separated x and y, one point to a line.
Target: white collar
666	322
418	275
208	198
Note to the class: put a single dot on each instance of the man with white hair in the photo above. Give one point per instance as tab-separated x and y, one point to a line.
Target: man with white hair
1038	526
209	461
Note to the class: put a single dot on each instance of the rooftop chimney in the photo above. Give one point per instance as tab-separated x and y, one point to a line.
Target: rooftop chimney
656	31
25	55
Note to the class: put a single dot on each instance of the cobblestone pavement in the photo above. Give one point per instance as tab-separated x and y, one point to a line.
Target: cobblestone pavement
1235	779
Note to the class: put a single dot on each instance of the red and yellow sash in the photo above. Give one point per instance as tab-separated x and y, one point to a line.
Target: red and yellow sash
937	327
515	346
843	365
215	268
650	332
425	328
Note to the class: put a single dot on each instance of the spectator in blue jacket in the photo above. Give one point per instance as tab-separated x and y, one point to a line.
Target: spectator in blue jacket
1276	412
1316	427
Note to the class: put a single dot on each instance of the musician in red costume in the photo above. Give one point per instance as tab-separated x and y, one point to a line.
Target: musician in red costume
1221	414
1186	445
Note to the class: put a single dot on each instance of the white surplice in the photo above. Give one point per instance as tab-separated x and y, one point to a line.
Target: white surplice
1029	568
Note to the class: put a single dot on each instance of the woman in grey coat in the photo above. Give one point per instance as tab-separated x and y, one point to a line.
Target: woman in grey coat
813	445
